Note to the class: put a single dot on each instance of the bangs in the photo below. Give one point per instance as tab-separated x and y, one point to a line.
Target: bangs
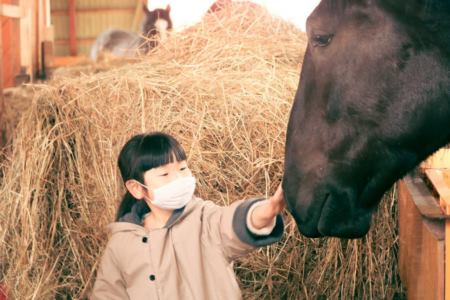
156	150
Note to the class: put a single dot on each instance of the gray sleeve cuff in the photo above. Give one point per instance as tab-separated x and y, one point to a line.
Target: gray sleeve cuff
244	233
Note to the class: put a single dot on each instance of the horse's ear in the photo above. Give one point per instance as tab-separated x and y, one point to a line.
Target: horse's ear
168	8
145	7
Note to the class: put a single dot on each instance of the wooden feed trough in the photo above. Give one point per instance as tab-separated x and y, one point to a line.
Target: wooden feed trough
424	229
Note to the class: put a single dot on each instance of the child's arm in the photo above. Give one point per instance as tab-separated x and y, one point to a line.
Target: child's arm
229	227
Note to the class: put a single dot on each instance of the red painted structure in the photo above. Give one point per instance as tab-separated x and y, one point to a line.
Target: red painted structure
9	47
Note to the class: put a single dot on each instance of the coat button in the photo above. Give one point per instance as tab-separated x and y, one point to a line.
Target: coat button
152	277
144	239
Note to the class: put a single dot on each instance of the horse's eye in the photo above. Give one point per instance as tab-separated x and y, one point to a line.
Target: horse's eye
321	40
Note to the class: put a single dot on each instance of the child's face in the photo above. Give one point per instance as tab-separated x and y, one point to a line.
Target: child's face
157	177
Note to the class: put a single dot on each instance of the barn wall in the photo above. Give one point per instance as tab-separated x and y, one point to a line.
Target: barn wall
92	17
10	59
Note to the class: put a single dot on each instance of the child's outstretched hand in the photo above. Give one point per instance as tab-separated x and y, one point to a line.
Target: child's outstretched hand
264	214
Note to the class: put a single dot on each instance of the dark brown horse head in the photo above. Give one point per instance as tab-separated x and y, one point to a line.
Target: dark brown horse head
373	102
156	22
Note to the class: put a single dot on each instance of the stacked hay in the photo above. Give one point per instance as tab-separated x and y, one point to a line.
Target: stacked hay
224	89
16	101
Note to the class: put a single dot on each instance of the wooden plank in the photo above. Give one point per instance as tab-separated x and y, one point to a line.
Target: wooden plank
11	11
422	197
63	61
79	40
48	14
440	184
63	12
40	21
72	27
11	49
35	37
45	37
26	38
440	160
138	15
48	32
1	66
437	171
447	260
2	100
421	257
48	37
47	58
445	197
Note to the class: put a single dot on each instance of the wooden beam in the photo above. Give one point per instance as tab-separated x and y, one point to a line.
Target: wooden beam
440	182
421	245
11	11
422	197
2	100
138	15
447	261
440	179
47	40
72	28
48	14
37	45
64	12
47	30
439	160
79	40
26	40
64	61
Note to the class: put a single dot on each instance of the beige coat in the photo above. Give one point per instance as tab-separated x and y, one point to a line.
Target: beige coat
190	258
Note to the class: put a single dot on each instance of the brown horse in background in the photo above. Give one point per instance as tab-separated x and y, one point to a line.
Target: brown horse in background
122	43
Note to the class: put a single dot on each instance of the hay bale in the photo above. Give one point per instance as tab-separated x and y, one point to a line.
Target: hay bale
224	89
16	102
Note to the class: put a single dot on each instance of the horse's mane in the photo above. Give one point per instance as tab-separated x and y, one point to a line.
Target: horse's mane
424	10
427	19
432	15
437	19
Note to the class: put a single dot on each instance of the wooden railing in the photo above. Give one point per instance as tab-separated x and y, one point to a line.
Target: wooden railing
35	29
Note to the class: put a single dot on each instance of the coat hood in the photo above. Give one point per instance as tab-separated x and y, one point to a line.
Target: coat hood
134	220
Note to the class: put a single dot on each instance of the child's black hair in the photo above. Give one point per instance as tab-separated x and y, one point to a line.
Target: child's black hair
142	153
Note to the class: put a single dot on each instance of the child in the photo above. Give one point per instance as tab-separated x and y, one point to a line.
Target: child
167	243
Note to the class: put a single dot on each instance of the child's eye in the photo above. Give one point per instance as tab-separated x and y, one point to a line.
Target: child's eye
165	174
183	168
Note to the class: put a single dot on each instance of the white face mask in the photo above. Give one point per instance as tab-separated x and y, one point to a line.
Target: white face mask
175	194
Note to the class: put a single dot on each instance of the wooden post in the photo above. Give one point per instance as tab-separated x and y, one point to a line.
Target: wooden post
45	38
2	102
48	13
26	38
11	11
37	37
421	240
138	13
447	259
72	28
439	176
